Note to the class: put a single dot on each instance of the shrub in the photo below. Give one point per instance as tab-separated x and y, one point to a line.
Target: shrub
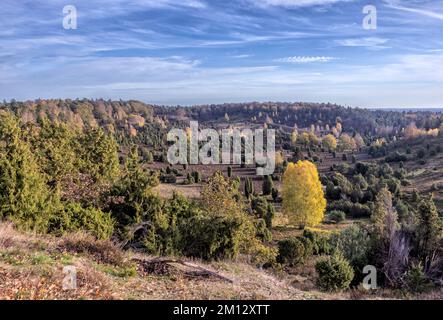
355	245
73	217
262	232
421	153
267	185
270	213
274	194
416	280
168	178
354	210
189	179
334	273
259	206
337	216
291	252
196	176
210	238
308	246
320	241
264	256
402	210
396	157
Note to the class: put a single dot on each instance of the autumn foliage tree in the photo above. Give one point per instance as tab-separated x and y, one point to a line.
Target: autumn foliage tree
329	142
304	202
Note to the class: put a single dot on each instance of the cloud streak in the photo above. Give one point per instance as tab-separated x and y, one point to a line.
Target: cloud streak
297	3
396	4
302	59
199	51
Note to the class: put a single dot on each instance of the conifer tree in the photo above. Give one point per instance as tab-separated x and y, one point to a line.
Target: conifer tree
429	228
24	196
267	185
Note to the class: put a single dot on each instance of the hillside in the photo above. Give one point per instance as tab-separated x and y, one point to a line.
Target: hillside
350	188
32	268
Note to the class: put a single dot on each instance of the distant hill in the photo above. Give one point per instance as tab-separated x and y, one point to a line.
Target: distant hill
147	124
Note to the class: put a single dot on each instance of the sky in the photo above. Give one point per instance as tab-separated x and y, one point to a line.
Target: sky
190	52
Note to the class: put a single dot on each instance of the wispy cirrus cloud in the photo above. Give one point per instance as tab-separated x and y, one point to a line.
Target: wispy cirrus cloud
371	42
201	51
399	5
303	59
297	3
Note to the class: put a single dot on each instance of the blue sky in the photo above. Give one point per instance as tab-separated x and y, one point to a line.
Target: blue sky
205	51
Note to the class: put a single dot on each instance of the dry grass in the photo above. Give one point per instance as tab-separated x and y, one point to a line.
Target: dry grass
8	236
189	191
31	267
102	251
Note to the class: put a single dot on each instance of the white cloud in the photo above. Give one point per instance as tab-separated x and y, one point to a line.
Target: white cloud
373	42
396	4
296	3
241	56
303	59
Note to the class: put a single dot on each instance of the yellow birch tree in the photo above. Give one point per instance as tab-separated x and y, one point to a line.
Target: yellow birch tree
304	202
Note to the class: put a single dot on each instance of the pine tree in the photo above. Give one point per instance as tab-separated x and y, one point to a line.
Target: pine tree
135	188
267	185
274	194
270	213
100	155
429	228
57	148
249	188
24	196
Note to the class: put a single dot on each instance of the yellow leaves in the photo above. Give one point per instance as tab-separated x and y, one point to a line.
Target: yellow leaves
347	142
294	136
279	159
303	197
411	131
432	132
304	138
329	142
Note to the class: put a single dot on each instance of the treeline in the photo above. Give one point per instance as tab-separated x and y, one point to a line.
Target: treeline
137	122
130	121
364	121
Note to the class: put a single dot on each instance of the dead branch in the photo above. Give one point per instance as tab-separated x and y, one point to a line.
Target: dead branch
202	271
